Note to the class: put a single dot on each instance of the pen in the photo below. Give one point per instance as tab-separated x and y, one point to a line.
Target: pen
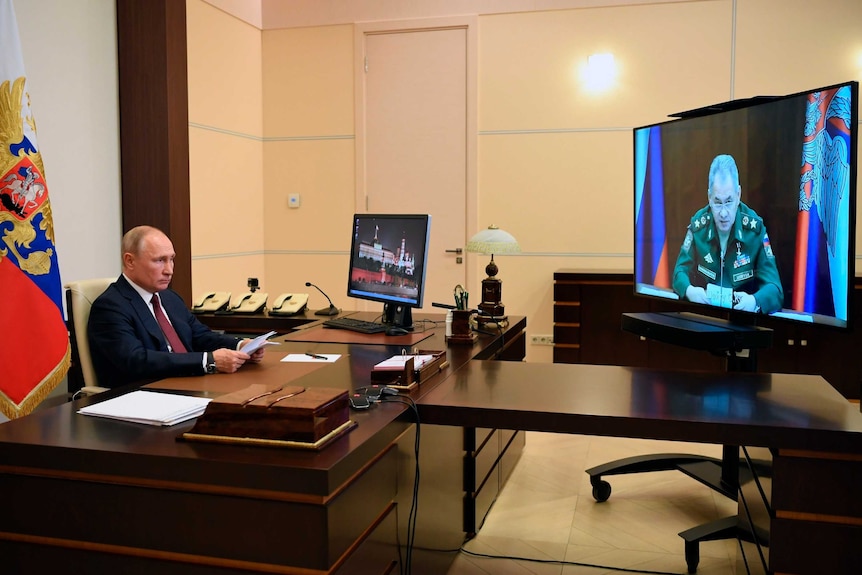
315	356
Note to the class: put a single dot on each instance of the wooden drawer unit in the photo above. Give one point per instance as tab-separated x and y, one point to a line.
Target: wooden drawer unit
490	456
587	311
588	307
820	510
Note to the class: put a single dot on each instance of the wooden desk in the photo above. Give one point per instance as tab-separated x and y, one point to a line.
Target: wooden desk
814	436
128	498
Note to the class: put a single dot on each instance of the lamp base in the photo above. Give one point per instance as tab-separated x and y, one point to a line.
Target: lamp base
490	308
487	320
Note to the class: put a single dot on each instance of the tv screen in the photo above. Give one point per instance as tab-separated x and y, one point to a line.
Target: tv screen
751	206
388	257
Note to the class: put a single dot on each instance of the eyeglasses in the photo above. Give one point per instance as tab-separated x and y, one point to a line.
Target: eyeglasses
728	204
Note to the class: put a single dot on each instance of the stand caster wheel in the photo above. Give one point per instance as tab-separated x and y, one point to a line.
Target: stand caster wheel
692	555
601	491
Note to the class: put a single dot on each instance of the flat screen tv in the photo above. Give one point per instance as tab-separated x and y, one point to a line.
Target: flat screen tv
750	206
388	259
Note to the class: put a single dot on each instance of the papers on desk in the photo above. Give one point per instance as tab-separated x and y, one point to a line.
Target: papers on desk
399	361
258	343
311	357
149	407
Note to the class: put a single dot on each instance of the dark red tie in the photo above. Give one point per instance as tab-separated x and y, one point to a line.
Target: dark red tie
170	333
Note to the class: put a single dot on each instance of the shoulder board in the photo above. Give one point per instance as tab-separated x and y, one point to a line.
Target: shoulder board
701	220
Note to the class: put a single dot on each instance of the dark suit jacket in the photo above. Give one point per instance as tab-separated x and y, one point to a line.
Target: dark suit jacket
127	345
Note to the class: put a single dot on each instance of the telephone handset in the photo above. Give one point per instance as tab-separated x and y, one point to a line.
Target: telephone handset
211	302
289	304
249	302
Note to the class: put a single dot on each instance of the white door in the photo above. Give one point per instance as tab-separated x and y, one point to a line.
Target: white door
415	140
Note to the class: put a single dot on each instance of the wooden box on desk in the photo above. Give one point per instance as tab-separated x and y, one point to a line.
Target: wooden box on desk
409	372
401	375
289	413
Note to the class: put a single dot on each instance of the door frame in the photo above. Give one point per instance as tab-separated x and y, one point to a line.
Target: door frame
361	30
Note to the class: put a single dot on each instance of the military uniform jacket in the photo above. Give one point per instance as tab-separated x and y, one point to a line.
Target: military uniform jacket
749	264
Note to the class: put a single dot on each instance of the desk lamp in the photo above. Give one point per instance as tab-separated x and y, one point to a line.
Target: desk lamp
492	241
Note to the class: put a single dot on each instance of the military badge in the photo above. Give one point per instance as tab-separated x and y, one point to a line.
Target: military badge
686	243
707	272
708	258
767	247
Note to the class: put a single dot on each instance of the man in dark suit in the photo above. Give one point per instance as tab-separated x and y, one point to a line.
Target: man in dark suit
139	329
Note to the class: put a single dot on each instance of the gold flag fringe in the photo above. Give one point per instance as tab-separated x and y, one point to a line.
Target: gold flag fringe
40	392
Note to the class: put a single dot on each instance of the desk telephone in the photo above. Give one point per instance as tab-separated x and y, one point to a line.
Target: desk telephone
211	302
289	304
249	302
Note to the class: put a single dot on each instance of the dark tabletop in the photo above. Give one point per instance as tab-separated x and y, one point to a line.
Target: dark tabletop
774	410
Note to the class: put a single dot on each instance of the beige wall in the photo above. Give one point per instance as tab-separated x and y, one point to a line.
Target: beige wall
308	150
225	150
554	161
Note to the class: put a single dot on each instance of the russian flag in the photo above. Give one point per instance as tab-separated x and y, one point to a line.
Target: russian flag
651	265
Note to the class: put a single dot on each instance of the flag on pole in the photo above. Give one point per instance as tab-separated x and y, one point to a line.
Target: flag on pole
34	342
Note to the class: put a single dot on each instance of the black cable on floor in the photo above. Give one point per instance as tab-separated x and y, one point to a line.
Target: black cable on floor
414	505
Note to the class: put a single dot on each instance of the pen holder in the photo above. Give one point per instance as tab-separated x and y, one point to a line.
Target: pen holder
461	330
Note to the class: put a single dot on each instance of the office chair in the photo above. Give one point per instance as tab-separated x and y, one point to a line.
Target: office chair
79	299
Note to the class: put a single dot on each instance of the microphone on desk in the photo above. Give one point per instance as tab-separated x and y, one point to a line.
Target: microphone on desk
331	310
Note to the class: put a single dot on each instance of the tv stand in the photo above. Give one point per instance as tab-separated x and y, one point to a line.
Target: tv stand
738	342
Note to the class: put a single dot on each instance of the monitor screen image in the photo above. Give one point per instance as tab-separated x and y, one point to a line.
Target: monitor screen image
388	257
750	206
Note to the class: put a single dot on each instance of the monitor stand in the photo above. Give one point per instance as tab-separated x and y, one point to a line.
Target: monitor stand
398	315
738	341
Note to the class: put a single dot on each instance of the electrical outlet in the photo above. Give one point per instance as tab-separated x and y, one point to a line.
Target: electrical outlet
542	339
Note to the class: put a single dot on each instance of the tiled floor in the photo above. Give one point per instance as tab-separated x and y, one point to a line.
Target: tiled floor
547	512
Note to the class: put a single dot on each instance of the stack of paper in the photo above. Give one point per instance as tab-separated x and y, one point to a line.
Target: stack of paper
149	407
397	361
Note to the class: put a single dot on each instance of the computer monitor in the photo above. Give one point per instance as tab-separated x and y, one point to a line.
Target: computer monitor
388	258
750	206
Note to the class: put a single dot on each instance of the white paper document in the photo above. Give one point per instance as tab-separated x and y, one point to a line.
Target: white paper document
311	357
149	407
258	343
397	361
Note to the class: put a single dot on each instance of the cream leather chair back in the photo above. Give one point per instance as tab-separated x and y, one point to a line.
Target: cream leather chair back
79	300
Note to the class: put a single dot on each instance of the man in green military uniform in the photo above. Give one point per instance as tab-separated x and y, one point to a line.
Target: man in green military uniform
726	259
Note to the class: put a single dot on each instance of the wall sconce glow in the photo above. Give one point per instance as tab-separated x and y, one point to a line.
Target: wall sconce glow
600	73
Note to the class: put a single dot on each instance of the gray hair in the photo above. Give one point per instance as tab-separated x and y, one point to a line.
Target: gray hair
723	164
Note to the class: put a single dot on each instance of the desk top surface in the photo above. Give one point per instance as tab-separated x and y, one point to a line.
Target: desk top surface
774	410
62	440
785	411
